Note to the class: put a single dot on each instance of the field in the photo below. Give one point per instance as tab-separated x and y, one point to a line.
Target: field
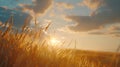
24	48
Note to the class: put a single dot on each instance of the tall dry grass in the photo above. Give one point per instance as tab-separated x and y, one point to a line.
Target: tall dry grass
25	48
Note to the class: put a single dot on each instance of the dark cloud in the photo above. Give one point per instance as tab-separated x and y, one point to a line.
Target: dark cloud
106	13
38	6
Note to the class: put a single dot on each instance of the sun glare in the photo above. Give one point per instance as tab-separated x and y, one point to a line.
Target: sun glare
54	41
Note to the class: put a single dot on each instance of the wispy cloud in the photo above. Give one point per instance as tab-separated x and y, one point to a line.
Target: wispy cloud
112	31
114	28
64	5
92	4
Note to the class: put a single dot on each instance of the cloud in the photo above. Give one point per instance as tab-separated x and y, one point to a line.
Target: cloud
97	33
24	10
107	12
65	29
4	7
112	31
113	34
38	7
62	5
87	23
0	23
92	4
115	28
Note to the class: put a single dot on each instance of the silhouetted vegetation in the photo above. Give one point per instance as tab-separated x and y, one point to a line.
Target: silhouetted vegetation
25	48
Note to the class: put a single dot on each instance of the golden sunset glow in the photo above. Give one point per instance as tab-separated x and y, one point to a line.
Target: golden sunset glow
59	33
54	41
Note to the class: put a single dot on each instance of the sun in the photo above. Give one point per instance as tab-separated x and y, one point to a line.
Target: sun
54	41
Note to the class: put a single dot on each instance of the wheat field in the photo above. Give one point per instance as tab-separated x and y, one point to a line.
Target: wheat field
24	48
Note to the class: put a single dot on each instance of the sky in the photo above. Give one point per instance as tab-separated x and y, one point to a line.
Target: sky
92	24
